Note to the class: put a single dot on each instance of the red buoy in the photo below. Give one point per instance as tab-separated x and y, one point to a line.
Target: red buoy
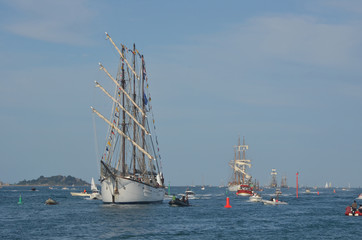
227	203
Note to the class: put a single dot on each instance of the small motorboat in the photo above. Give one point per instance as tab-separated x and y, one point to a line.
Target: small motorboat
33	189
274	201
359	196
51	202
350	212
176	202
307	191
255	198
189	193
80	194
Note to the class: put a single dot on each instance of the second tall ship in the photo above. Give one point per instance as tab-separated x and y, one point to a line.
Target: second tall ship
131	170
241	179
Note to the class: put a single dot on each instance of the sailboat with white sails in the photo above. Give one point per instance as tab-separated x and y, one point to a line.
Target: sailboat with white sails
130	169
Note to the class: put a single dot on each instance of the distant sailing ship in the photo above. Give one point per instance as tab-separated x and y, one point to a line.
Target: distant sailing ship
241	180
283	183
273	183
131	170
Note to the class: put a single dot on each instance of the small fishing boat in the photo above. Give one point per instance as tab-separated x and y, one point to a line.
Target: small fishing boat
274	201
307	191
255	198
359	196
33	189
176	202
51	202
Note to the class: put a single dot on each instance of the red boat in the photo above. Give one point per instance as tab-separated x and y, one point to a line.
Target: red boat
349	212
244	190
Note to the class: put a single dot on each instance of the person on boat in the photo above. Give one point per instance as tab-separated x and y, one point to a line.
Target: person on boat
183	199
354	206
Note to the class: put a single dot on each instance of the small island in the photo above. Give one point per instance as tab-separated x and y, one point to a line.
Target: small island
54	181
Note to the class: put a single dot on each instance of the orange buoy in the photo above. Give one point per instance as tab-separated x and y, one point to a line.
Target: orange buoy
227	203
334	190
318	193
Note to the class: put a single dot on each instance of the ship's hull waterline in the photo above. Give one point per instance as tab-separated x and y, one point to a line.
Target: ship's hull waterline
130	192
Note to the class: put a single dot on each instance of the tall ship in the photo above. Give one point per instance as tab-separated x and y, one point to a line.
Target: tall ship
241	180
283	183
130	166
273	183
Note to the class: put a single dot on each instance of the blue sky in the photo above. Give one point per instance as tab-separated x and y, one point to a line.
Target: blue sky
284	74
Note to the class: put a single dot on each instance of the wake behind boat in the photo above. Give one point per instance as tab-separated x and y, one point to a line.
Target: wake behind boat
131	170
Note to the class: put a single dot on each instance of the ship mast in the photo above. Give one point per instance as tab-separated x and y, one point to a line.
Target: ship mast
244	149
134	110
235	172
123	83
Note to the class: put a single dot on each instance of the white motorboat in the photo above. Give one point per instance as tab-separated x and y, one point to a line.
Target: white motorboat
80	194
189	194
274	202
255	198
359	196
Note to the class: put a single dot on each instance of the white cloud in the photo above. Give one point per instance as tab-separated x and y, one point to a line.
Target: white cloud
51	21
285	60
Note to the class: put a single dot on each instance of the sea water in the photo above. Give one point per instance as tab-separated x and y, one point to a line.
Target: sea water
311	216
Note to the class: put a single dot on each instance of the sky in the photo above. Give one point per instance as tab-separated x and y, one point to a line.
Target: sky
284	74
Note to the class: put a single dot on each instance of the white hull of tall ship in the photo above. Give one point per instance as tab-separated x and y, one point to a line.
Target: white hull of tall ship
233	188
130	191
